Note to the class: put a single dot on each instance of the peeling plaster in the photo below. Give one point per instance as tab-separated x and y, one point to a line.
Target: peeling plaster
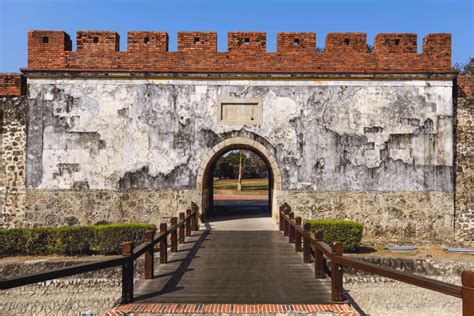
326	135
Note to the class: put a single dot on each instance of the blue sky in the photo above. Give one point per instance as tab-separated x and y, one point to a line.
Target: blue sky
370	16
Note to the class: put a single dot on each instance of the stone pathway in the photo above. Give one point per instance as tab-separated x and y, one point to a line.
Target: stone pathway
241	215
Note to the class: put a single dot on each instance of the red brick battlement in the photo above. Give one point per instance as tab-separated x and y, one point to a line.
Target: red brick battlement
12	84
197	52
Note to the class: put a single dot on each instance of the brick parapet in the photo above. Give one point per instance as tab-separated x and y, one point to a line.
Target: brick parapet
197	52
12	84
465	86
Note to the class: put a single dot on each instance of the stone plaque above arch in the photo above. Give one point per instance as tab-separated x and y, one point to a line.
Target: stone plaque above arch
237	111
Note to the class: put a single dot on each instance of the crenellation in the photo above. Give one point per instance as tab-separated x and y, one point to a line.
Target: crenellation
296	42
437	49
147	42
48	48
346	43
197	42
296	52
91	42
247	42
396	43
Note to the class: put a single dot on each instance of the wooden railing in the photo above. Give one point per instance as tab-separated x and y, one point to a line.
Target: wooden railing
178	231
316	250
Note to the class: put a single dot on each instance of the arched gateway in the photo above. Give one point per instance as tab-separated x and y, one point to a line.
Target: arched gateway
205	179
346	133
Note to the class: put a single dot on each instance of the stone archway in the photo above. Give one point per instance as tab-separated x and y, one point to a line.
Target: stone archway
208	160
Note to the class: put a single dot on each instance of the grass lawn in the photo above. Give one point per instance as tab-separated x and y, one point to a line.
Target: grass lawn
249	186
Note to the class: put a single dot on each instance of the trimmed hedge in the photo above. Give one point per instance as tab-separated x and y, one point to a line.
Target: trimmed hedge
347	232
74	240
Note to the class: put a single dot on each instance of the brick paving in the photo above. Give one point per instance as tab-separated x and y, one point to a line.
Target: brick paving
127	309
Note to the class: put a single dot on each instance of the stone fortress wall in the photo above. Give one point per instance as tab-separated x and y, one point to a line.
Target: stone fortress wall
356	134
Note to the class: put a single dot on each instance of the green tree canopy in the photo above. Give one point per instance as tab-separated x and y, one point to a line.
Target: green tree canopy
227	167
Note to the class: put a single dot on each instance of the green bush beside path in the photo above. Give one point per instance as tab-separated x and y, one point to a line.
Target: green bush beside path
349	233
74	240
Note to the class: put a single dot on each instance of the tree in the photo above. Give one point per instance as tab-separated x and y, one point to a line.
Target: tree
241	169
227	167
466	69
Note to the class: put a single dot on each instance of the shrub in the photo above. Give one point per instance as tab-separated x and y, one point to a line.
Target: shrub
109	238
75	240
13	240
39	241
347	232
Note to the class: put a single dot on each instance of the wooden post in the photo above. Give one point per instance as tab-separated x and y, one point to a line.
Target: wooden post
336	273
164	244
181	229
286	227
174	235
291	238
195	222
282	226
306	244
188	223
150	256
298	235
319	259
467	279
127	273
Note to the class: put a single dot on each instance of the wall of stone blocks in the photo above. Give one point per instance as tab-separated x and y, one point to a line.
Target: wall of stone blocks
13	158
405	192
120	150
89	207
388	217
464	199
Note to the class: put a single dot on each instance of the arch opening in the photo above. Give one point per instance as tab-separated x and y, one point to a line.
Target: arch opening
208	166
234	199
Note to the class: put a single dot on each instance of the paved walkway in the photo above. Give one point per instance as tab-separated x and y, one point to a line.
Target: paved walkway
242	215
239	197
235	267
238	263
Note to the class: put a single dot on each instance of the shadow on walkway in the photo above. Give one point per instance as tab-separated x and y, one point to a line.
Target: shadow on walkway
241	215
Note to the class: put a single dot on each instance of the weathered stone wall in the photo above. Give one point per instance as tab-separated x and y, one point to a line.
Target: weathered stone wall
86	207
465	159
400	217
380	152
365	135
12	158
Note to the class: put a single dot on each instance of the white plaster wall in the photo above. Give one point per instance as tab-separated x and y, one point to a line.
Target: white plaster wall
326	135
